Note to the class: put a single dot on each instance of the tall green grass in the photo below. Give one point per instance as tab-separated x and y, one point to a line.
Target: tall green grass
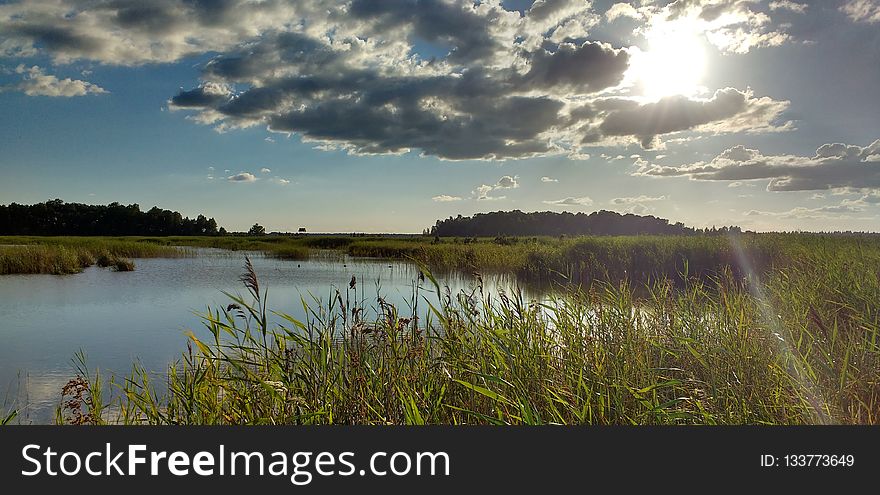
540	260
8	418
66	255
795	345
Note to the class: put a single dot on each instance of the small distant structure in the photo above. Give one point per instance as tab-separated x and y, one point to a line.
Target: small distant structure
301	230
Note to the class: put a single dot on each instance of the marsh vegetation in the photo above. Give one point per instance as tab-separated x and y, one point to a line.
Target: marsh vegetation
751	329
792	345
68	255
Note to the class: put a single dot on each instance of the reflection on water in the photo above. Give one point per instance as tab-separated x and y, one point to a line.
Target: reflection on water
117	318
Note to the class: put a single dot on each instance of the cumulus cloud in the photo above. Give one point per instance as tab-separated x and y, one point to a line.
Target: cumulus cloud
584	68
507	182
483	191
835	165
349	75
799	8
36	82
872	198
571	201
336	94
622	9
280	181
862	10
445	198
265	170
133	32
548	179
728	110
242	177
733	26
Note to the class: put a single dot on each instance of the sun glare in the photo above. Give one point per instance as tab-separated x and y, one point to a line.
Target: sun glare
673	63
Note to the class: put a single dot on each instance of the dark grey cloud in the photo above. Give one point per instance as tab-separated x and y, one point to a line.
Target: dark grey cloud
735	111
587	68
349	75
133	32
204	96
302	85
456	24
834	166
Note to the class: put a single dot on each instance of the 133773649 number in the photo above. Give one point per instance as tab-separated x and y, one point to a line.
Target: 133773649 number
818	460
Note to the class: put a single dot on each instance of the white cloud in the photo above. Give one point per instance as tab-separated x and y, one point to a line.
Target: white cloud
481	193
622	9
242	177
733	26
507	182
445	198
636	199
548	179
799	8
265	170
37	83
571	201
280	181
862	10
872	198
800	212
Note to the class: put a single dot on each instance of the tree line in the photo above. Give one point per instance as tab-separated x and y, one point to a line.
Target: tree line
59	218
518	223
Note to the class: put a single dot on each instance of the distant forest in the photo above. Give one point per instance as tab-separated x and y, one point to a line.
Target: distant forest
59	218
517	223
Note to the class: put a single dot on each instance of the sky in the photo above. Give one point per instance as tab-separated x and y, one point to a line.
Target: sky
386	115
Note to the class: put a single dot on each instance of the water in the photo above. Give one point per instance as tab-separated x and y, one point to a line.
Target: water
119	317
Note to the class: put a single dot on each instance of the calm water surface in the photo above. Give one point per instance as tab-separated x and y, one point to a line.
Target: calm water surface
117	318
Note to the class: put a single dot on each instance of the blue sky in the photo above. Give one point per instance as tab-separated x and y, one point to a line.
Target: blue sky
384	116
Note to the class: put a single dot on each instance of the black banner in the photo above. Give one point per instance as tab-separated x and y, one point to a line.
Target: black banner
439	459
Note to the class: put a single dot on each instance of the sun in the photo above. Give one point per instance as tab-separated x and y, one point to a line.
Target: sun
674	62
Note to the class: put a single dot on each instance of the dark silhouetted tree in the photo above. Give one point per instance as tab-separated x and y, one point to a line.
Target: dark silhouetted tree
517	223
59	218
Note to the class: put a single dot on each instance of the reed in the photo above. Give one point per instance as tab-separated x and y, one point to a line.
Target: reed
797	344
8	418
545	260
62	255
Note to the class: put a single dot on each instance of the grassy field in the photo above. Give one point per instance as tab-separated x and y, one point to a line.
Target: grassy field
795	345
